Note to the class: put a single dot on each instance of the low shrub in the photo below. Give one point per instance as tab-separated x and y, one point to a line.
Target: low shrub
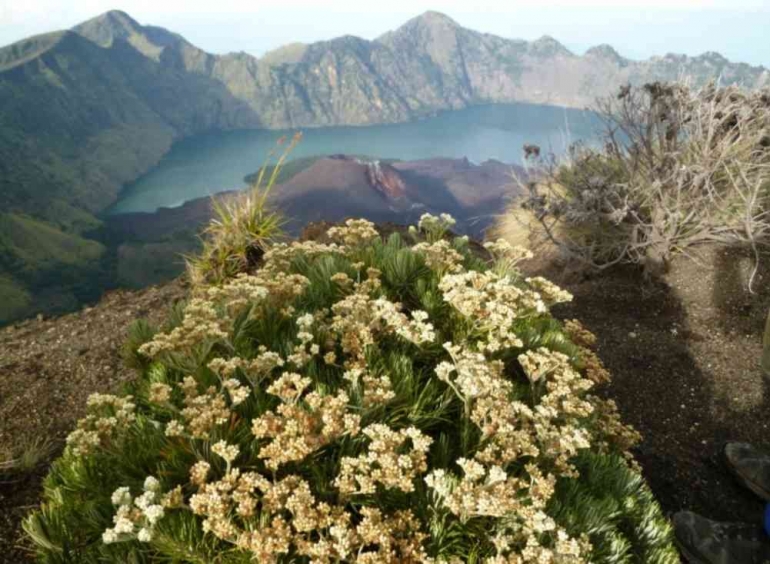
364	400
678	168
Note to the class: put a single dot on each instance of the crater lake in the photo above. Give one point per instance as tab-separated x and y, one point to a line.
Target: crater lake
217	161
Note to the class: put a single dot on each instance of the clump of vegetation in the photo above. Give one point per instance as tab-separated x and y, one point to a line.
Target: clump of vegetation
362	400
242	227
679	168
36	257
24	459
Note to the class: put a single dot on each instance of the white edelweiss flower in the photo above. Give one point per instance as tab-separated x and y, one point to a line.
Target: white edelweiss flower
238	393
159	393
226	451
447	219
151	484
153	513
123	525
145	535
419	315
109	536
145	499
121	496
496	475
174	428
427	221
443	370
472	469
305	321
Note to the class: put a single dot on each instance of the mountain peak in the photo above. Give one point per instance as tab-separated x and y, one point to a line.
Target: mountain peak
547	46
431	20
432	16
430	23
713	57
114	25
605	52
118	16
107	27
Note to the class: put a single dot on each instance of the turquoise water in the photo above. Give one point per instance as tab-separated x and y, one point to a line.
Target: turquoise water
210	163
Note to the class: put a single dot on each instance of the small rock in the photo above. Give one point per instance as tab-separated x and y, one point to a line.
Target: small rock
632	335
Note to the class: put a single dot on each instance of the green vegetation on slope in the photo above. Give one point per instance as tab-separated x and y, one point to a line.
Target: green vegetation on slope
143	264
15	300
78	122
45	269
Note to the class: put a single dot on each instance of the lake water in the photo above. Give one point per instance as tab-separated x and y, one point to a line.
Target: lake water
210	163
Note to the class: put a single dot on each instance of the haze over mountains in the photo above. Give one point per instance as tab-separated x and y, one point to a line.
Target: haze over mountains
87	110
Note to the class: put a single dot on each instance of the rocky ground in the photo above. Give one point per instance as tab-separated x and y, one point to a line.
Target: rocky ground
48	367
684	352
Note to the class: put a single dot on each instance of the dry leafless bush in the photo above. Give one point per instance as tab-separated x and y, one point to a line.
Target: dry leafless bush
679	167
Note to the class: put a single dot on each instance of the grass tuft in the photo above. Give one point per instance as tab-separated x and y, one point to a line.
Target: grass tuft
242	227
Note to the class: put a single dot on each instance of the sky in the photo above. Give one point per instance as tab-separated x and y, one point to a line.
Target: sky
636	28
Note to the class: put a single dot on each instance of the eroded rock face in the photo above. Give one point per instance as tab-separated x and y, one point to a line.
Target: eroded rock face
386	180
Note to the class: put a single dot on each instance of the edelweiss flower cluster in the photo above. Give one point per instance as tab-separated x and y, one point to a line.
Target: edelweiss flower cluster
243	291
279	257
293	520
594	368
303	423
107	415
203	411
612	431
201	324
440	256
492	305
209	320
355	233
330	395
549	291
255	370
436	226
506	256
482	492
136	518
376	390
359	319
384	463
250	290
